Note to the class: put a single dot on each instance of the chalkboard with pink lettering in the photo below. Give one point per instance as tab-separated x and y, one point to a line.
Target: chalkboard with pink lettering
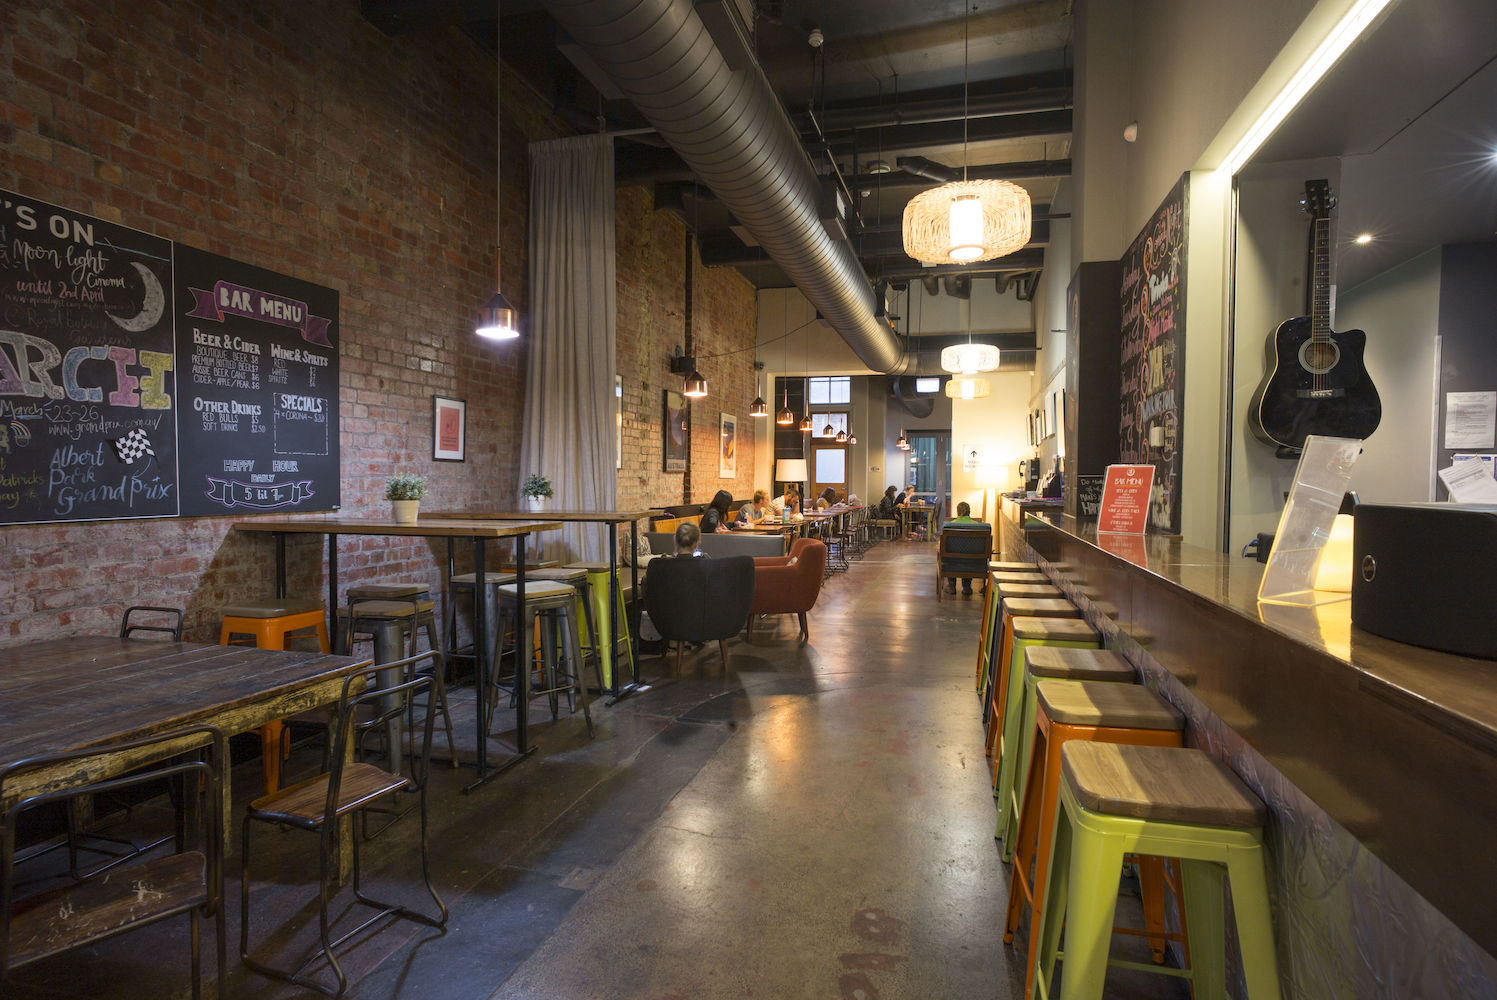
257	357
1152	390
143	379
87	372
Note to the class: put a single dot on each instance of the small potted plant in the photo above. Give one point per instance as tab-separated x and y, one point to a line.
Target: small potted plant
404	491
536	490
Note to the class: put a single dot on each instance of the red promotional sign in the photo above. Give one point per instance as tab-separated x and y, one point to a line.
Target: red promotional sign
1125	499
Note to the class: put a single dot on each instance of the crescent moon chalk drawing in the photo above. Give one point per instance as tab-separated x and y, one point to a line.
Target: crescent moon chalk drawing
151	307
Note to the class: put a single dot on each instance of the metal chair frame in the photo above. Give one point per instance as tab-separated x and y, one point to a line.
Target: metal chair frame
386	704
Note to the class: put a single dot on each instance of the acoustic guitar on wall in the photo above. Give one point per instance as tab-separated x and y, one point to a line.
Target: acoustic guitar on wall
1317	382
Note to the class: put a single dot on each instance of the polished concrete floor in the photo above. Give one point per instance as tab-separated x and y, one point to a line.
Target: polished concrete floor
813	821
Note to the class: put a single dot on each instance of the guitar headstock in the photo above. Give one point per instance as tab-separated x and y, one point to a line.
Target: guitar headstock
1318	200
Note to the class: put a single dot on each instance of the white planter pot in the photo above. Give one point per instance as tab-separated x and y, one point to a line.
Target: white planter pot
404	511
535	504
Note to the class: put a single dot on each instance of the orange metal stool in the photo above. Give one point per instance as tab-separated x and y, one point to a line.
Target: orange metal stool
1096	712
1011	608
270	623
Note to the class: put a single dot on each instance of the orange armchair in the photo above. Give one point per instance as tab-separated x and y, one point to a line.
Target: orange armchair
789	584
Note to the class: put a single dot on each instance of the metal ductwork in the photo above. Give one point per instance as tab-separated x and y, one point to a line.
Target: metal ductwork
717	110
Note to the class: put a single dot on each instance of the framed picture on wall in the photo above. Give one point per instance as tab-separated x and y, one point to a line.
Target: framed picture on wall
727	455
449	422
675	446
1032	439
618	421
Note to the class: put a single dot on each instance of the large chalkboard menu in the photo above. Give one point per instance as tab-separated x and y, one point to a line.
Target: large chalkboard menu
259	387
127	390
1153	353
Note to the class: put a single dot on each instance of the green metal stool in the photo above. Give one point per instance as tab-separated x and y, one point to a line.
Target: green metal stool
1067	633
597	589
1170	802
1043	663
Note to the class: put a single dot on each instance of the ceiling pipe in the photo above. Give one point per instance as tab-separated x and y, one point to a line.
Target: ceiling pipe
718	111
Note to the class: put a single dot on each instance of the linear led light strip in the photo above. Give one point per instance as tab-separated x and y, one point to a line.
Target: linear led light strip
1331	48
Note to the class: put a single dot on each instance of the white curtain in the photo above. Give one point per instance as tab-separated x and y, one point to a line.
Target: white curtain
569	399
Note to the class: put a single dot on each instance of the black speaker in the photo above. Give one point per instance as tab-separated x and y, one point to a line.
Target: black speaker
1426	574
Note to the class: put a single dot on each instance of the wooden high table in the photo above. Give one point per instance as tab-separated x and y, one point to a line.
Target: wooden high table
612	518
477	532
69	694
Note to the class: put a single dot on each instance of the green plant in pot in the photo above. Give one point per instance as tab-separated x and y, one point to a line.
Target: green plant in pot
536	490
404	490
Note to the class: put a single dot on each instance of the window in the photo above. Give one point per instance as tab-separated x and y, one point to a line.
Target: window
929	384
839	420
829	390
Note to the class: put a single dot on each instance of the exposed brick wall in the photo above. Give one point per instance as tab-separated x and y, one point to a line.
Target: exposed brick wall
651	308
297	137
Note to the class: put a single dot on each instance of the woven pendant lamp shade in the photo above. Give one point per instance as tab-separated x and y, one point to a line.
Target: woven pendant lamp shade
1005	215
967	388
969	359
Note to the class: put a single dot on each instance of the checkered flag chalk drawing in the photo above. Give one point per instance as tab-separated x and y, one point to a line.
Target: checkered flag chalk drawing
133	445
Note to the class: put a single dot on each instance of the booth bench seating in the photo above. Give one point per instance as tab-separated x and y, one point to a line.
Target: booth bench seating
720	546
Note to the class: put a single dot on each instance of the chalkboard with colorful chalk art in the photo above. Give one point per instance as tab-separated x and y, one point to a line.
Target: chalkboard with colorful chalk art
106	398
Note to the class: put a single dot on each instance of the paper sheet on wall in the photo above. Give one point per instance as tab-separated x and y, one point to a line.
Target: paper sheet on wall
1469	482
1470	419
1489	461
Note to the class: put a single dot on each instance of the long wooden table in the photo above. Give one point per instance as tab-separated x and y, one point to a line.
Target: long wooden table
478	533
74	693
612	518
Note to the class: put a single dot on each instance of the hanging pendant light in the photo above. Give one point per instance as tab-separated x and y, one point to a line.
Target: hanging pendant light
967	220
759	407
902	444
969	358
828	431
805	424
842	437
852	439
498	320
695	387
967	388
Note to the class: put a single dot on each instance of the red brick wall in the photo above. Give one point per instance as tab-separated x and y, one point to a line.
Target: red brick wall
651	324
298	137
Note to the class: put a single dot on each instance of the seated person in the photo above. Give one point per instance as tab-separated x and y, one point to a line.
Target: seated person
756	511
688	536
963	516
787	503
718	517
887	506
828	498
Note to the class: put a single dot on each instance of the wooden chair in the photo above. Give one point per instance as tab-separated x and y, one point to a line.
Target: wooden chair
964	552
84	911
348	789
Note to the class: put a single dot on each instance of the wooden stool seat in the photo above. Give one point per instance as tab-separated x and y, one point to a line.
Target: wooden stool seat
1054	629
388	609
1116	706
1041	607
530	564
566	575
1166	784
494	579
591	567
387	591
1024	589
1004	577
272	608
1078	664
998	566
541	593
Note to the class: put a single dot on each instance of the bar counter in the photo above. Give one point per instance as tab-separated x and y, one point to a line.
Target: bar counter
1395	743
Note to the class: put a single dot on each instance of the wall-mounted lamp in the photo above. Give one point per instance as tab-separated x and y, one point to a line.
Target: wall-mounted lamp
695	386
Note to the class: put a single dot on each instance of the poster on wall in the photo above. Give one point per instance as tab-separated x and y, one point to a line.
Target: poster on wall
1153	353
675	445
727	462
257	356
88	390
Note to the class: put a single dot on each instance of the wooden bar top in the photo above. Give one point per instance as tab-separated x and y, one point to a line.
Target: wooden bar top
427	527
585	516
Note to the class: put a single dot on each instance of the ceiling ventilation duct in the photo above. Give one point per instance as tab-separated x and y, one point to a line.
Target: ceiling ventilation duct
710	100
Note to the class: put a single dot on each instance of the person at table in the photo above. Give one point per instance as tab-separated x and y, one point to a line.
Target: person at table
718	517
963	516
888	507
828	498
788	502
757	510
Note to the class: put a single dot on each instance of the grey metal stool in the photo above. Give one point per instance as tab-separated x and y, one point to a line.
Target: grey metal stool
556	605
576	577
388	623
460	591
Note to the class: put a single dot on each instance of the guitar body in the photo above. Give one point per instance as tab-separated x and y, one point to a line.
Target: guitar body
1300	395
1317	382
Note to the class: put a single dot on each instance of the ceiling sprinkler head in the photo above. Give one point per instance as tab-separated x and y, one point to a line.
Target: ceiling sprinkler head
816	38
